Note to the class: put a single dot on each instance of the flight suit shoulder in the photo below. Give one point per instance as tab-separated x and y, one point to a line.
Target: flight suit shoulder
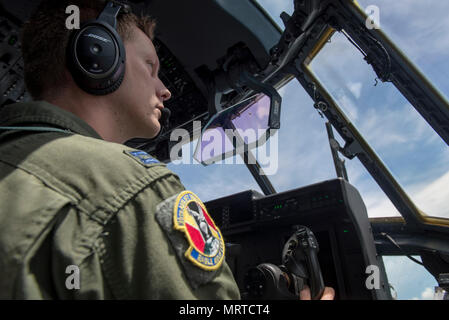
94	174
96	152
105	170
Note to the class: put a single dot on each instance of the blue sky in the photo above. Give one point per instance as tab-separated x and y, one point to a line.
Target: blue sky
418	158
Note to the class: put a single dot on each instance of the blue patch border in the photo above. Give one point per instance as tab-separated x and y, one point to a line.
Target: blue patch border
142	157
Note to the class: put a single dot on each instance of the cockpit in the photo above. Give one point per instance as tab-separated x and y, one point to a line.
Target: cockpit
316	114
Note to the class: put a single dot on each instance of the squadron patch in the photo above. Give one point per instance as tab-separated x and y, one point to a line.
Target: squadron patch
207	248
141	157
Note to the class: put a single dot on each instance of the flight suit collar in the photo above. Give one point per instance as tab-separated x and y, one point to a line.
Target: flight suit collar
42	113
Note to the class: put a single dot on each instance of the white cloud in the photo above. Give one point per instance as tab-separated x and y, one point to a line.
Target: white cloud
432	198
389	131
355	88
379	205
347	104
427	294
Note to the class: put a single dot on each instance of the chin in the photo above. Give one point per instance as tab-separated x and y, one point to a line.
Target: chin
148	129
156	127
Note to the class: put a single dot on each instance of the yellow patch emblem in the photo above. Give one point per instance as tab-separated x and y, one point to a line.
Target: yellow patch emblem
207	248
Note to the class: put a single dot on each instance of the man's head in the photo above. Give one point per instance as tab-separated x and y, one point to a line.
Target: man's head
131	111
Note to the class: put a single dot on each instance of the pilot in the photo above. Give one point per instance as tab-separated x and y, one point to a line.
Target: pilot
83	216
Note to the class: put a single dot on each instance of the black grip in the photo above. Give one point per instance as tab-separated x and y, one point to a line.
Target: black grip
300	256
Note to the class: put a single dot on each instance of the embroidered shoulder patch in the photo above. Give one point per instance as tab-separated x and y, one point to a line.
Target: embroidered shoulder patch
190	216
141	156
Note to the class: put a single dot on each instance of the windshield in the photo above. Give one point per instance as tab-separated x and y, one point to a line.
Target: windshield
213	181
416	155
418	28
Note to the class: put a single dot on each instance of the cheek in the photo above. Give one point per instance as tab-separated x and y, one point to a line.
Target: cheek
136	76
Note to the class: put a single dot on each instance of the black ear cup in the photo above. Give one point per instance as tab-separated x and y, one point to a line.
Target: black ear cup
96	58
114	86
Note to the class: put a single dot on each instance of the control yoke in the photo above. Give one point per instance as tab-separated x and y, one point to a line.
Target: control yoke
299	267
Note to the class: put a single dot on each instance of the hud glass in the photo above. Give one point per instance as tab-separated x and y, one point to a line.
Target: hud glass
234	130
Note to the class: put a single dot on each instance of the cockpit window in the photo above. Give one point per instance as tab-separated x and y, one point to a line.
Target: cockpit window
418	28
304	155
411	149
213	181
274	9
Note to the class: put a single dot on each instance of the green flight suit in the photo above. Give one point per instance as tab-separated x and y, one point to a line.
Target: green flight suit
72	199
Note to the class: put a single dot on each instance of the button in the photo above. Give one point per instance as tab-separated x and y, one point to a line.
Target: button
96	49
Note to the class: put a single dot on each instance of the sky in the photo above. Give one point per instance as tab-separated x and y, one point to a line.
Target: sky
410	148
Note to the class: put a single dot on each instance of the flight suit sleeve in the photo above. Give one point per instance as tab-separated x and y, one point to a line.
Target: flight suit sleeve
139	260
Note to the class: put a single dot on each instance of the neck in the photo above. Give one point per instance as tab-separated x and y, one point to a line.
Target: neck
96	111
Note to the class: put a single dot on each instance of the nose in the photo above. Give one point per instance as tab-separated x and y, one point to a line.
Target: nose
163	93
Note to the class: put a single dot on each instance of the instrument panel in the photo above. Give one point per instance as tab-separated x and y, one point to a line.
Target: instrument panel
256	228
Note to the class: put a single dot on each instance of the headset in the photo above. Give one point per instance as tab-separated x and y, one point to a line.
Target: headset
96	54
